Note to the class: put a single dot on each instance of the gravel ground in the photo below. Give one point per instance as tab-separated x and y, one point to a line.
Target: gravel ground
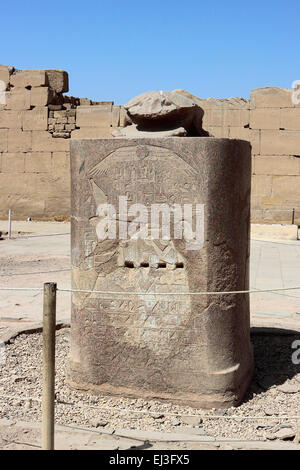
275	391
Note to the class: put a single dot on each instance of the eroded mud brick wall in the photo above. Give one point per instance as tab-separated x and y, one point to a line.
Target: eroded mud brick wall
37	121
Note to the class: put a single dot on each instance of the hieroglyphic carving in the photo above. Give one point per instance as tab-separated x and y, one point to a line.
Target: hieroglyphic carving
90	242
148	180
145	174
129	332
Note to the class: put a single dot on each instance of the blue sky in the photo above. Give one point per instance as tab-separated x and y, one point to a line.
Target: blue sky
118	49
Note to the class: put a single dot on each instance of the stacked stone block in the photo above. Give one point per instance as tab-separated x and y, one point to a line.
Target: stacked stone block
96	119
34	166
37	120
276	167
270	121
62	123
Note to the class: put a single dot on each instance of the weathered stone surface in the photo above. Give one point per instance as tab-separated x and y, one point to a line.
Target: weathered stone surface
265	118
124	119
191	420
26	78
236	117
115	116
188	349
132	131
261	185
273	130
41	96
18	99
222	132
42	141
221	114
280	142
92	133
276	165
58	80
38	162
3	140
252	135
19	141
271	97
165	110
213	103
285	433
13	163
274	232
11	119
36	119
5	72
94	116
290	119
289	388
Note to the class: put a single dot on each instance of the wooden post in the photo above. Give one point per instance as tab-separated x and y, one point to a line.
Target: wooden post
48	393
9	223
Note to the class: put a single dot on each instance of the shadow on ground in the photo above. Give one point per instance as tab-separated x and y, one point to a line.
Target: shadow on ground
273	353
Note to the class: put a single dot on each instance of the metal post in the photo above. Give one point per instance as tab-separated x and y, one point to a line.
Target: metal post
48	393
9	223
293	216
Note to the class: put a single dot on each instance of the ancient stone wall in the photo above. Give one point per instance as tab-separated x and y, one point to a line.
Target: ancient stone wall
37	121
271	122
34	168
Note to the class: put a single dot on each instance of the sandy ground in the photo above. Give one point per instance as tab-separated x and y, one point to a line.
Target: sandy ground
269	412
38	253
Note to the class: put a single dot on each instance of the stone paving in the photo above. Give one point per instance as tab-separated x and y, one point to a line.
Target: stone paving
275	265
27	436
38	253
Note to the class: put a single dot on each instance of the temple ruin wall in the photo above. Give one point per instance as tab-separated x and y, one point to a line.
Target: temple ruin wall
37	121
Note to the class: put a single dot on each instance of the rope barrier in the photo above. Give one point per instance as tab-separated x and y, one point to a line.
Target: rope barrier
47	423
86	291
179	293
34	272
22	288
